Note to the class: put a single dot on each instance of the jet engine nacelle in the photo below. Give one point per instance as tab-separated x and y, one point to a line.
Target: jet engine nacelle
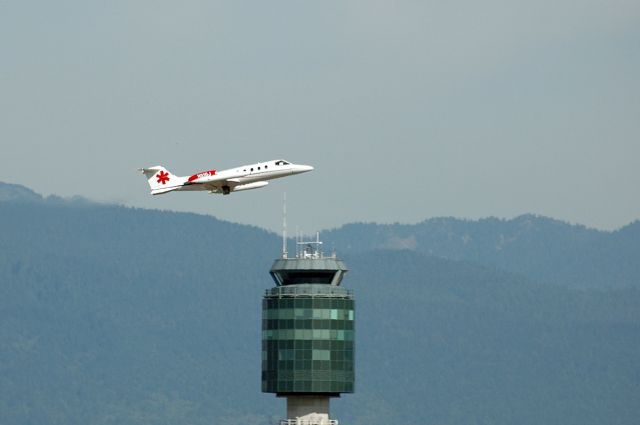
249	186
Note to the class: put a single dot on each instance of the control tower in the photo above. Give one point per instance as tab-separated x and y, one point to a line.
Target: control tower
308	334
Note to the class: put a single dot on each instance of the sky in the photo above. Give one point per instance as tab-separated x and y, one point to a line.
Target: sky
406	109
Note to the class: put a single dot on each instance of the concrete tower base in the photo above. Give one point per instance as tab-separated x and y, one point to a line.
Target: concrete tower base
308	410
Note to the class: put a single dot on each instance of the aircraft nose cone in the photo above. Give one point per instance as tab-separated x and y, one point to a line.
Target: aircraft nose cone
306	168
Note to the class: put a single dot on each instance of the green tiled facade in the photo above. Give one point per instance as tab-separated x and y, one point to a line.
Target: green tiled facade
308	340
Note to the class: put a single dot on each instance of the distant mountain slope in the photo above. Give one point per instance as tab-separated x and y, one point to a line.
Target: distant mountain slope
453	343
112	315
17	193
537	247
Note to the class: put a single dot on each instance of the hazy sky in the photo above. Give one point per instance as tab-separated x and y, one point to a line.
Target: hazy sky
407	109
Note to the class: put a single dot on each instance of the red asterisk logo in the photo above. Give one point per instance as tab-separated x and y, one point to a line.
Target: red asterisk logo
162	177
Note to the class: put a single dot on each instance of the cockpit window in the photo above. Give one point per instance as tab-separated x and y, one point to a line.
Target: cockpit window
281	162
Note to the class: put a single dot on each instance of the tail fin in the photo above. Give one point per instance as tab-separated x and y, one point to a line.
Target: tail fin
161	180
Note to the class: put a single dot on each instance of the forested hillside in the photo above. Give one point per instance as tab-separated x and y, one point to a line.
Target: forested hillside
538	247
112	315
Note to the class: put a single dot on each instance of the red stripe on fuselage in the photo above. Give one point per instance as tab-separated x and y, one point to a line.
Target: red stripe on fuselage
201	175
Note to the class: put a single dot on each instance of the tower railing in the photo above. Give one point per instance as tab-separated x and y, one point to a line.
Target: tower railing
309	290
308	422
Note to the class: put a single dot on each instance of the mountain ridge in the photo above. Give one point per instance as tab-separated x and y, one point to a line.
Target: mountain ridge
113	315
541	248
14	192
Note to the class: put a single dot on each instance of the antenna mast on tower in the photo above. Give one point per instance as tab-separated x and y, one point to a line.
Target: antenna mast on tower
284	225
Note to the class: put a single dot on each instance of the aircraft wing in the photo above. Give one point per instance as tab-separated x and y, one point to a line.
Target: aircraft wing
216	184
233	185
208	179
221	181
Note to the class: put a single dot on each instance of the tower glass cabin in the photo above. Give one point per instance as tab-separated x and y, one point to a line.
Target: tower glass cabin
308	334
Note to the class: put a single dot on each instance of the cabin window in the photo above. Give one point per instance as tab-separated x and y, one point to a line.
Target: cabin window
258	168
252	169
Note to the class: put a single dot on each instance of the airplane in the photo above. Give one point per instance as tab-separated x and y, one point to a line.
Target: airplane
246	177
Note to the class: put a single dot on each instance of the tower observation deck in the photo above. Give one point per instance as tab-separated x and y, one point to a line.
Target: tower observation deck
308	334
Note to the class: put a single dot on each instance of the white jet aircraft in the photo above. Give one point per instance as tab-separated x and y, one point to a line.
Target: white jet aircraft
226	181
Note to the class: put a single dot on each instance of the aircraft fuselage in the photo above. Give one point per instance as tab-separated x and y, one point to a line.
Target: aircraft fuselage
245	177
